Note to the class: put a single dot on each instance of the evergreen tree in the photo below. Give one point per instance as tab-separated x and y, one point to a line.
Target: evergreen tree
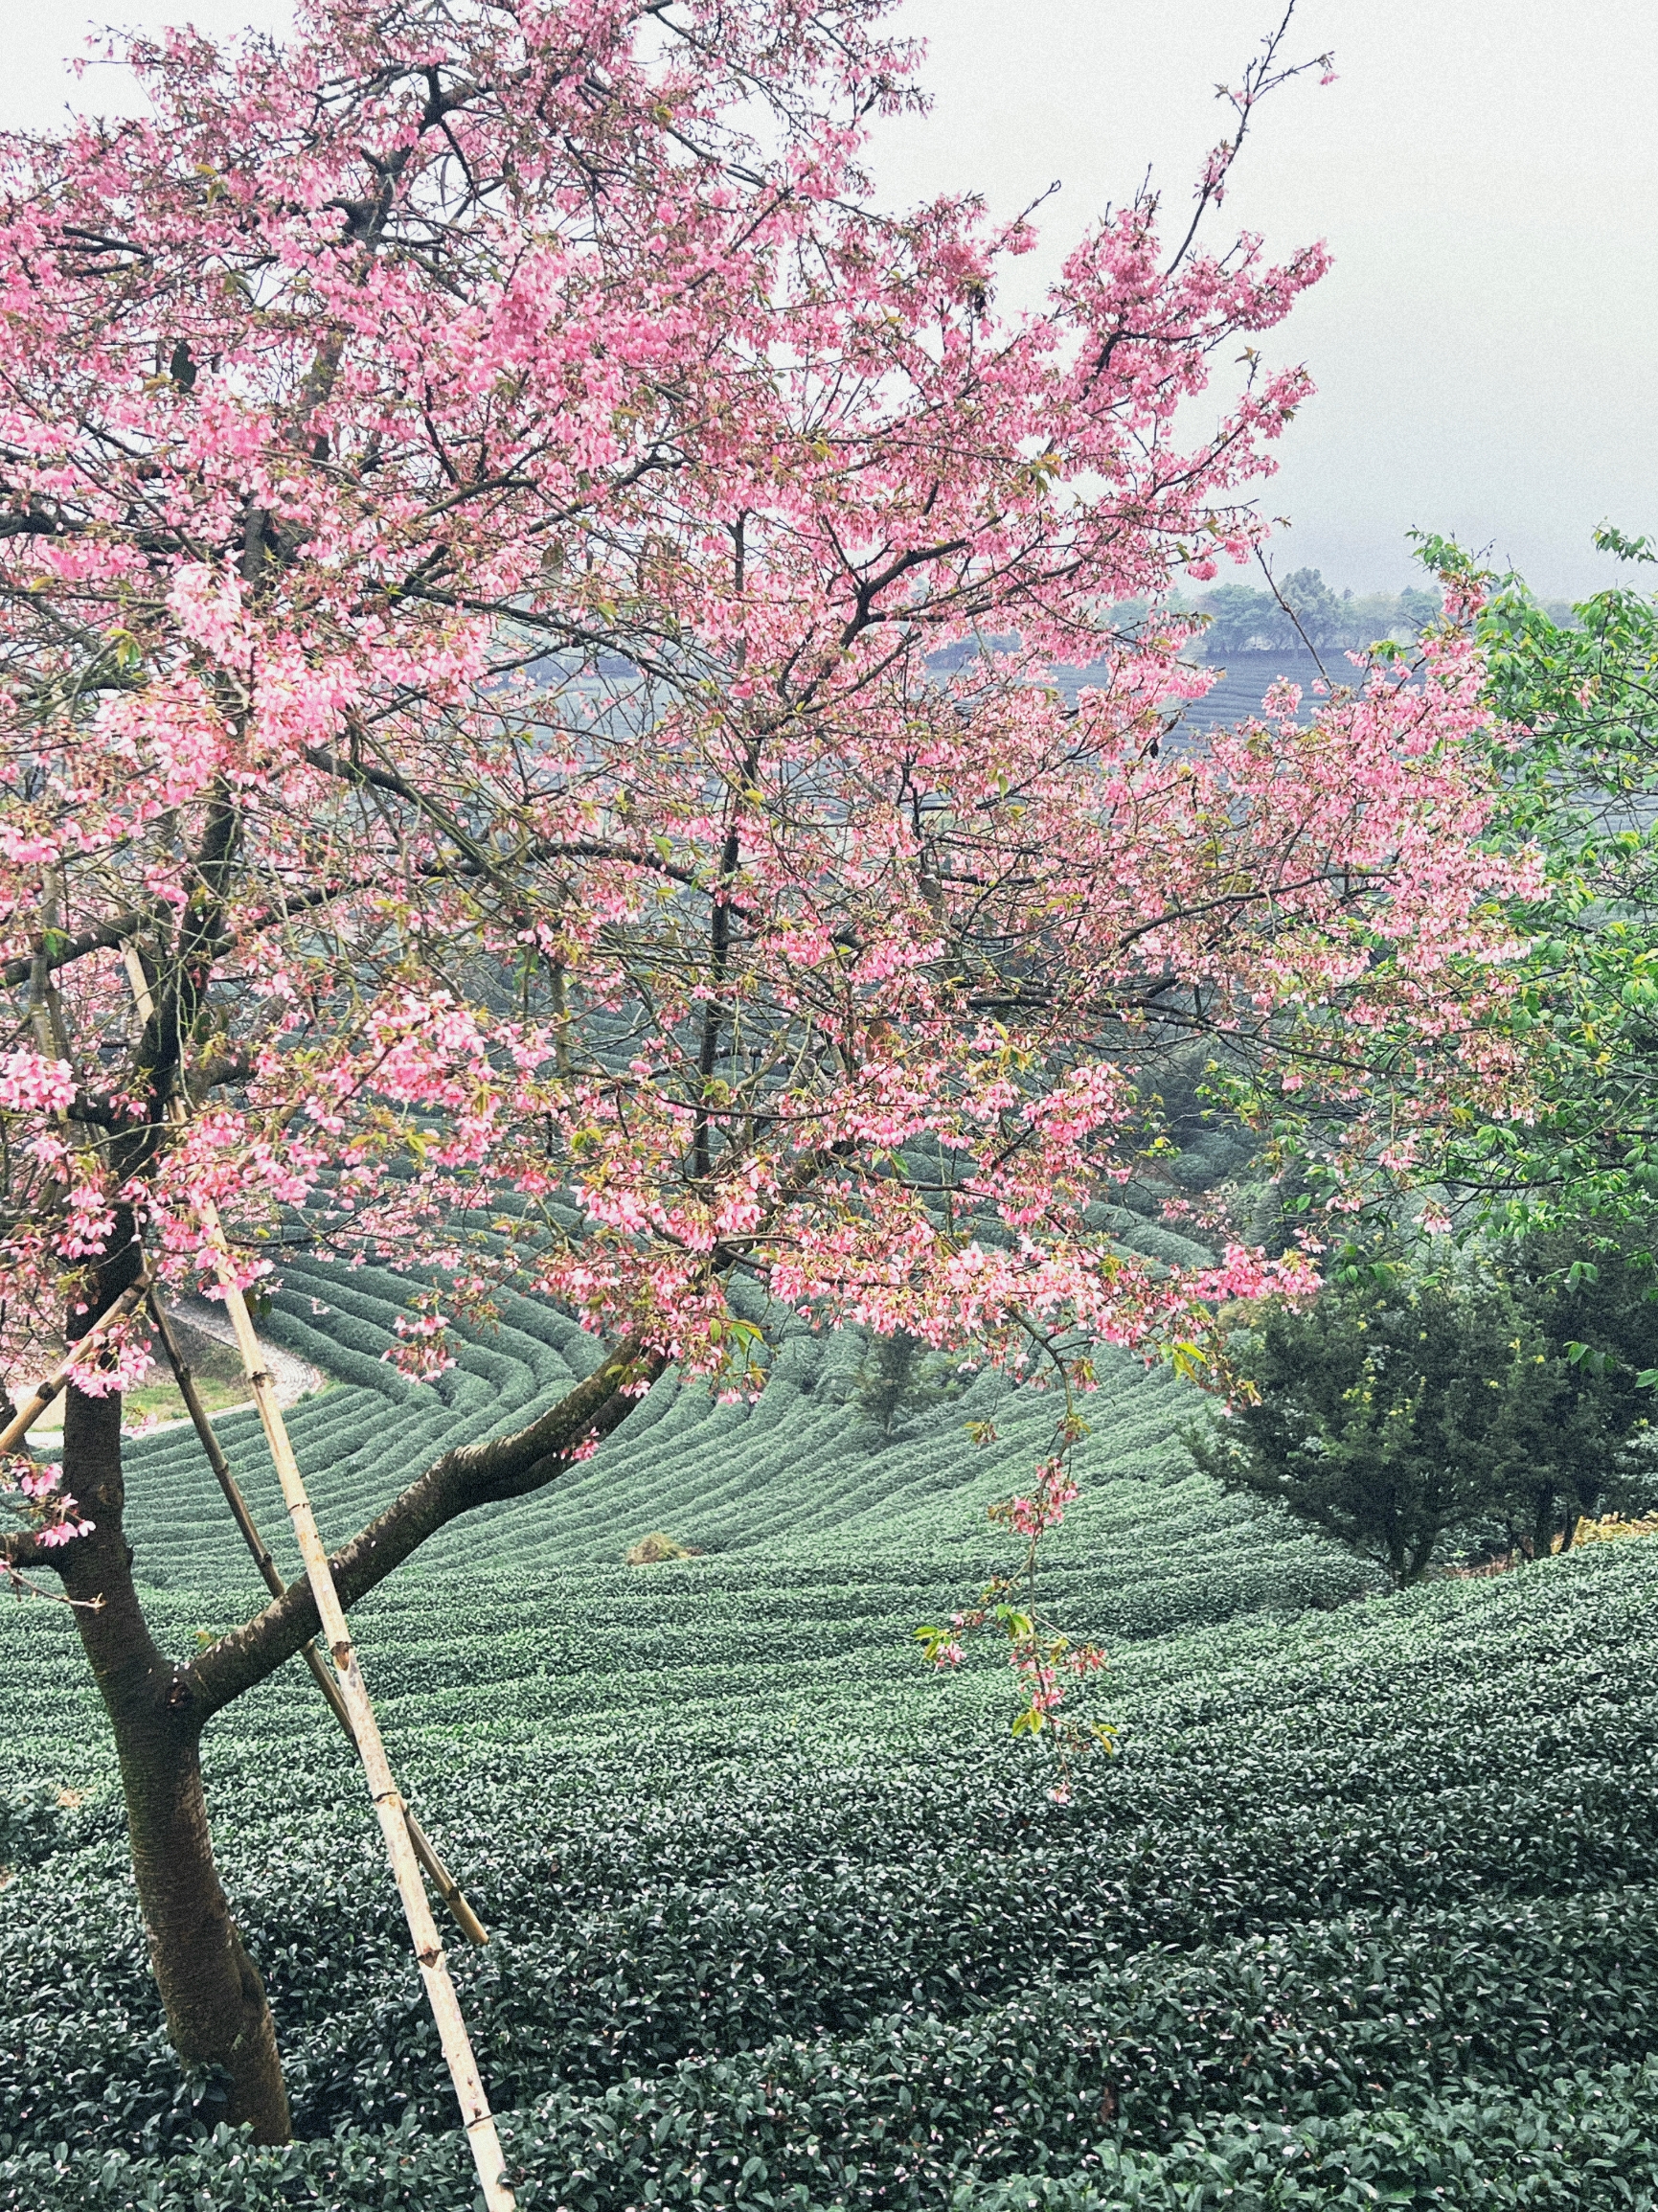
1382	1416
1401	1410
899	1374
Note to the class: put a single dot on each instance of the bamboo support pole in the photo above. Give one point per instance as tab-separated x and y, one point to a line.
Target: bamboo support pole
389	1806
443	1881
29	1412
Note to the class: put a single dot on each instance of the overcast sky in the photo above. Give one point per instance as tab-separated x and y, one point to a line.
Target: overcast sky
1485	347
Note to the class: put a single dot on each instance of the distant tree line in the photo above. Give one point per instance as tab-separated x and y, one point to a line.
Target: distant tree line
1302	611
1305	611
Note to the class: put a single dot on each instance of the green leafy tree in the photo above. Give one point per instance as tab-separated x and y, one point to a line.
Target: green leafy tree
1499	1406
1590	1313
1241	619
1418	606
1578	688
1317	617
899	1375
1382	1414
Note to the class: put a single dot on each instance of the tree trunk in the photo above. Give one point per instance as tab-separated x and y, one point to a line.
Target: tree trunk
217	2011
1543	1524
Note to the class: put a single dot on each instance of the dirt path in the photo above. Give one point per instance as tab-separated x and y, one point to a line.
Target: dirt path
208	1343
294	1377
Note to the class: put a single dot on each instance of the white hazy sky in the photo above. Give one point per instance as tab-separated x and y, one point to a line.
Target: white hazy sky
1486	173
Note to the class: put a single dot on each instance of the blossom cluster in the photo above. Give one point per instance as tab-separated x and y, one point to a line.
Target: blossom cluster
51	1515
553	691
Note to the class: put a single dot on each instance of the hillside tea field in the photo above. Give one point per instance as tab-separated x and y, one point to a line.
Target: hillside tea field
1363	1913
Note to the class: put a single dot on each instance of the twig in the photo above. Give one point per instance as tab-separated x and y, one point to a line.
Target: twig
29	1412
20	1582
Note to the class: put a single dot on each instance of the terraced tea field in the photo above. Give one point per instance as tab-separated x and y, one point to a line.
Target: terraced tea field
1363	1913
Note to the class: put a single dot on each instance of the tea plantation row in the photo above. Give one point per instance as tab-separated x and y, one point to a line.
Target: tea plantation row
1364	1911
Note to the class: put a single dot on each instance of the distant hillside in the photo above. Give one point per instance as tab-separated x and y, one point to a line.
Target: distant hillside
1240	691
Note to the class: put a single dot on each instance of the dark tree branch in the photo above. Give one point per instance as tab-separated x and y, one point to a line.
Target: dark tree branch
21	1547
473	1474
107	936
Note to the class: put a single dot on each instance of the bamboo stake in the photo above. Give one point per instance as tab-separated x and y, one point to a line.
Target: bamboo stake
447	1887
27	1414
389	1806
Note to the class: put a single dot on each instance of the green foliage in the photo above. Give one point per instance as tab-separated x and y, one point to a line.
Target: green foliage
1580	689
780	1918
1402	1408
1588	1407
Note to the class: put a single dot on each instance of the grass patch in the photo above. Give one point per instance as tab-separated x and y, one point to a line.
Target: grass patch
162	1400
653	1549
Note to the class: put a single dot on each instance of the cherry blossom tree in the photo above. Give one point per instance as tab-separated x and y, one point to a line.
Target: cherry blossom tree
485	495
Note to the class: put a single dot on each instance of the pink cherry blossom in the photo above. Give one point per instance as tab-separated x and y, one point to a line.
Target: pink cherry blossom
554	685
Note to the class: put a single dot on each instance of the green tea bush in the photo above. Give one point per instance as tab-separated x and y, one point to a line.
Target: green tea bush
1362	1913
